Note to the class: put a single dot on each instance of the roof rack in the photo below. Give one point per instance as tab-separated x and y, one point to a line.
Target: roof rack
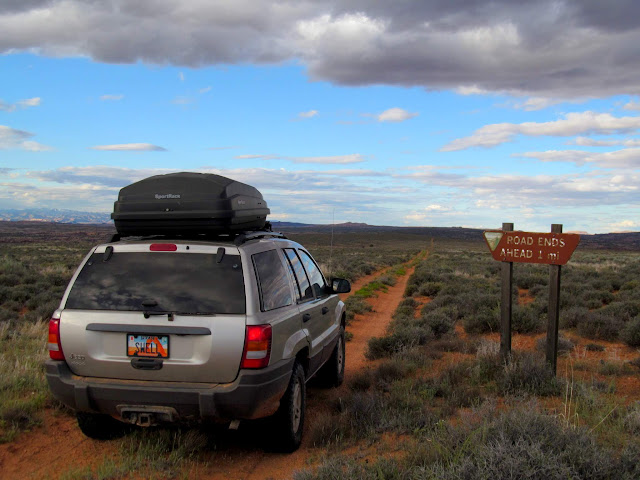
238	238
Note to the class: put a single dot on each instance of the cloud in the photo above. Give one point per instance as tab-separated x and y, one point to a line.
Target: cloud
111	97
204	90
309	114
182	100
395	115
20	104
466	45
10	139
632	106
328	160
334	160
256	157
628	158
573	124
590	142
130	147
374	197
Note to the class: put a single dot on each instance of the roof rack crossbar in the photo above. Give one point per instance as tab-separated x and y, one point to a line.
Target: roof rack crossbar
237	237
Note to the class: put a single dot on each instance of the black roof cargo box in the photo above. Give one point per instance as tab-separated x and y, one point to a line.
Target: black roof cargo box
188	203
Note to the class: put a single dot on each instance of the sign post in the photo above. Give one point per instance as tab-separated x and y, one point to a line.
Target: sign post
553	249
506	304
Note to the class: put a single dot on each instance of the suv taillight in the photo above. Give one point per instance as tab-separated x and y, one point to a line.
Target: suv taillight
257	346
55	348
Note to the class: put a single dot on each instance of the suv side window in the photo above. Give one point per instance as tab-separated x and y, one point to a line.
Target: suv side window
273	281
317	280
303	287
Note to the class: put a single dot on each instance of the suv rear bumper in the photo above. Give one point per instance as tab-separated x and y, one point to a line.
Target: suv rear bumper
254	393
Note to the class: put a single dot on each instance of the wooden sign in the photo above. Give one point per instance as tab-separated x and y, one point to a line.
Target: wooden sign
530	247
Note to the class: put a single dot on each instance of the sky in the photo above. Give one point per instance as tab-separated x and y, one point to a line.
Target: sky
410	113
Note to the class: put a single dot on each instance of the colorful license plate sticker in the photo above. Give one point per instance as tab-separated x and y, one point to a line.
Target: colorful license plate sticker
155	346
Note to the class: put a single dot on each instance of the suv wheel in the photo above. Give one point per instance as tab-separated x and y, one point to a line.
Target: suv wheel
100	427
332	372
288	422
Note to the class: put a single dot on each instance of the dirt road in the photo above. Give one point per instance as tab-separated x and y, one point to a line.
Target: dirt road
58	446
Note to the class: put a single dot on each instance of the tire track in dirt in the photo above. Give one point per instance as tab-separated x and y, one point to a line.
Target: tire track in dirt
364	327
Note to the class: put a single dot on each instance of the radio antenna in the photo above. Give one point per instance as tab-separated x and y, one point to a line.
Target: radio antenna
333	221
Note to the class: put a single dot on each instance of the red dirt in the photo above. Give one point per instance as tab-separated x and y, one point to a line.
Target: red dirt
37	454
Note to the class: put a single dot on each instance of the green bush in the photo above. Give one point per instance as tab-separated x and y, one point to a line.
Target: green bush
485	321
600	326
630	334
524	319
526	374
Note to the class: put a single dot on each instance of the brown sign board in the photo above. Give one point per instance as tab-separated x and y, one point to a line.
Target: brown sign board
531	247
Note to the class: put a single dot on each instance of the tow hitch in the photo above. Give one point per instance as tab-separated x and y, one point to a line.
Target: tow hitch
147	416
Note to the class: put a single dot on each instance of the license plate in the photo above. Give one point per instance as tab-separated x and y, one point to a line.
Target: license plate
147	345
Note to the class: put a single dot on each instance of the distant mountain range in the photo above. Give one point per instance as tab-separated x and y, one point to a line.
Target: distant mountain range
55	215
618	241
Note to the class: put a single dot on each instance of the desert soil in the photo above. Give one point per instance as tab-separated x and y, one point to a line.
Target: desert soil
58	446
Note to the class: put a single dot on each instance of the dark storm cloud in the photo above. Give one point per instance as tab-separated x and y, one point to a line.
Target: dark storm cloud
550	48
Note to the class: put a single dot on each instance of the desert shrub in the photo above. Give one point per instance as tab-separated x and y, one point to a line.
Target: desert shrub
631	420
630	334
594	347
406	308
564	345
356	306
526	374
527	444
400	340
430	289
454	386
623	310
387	280
484	321
600	326
439	323
570	318
452	345
524	319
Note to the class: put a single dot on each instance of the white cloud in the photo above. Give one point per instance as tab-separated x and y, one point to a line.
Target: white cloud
20	104
590	142
632	106
111	97
324	160
181	76
11	138
395	115
572	124
256	157
332	160
581	201
309	114
628	158
131	147
204	90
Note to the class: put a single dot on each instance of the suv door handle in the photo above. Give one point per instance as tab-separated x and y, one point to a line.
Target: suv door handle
325	310
306	317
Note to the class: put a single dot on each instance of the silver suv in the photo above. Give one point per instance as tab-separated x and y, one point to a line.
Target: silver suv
158	330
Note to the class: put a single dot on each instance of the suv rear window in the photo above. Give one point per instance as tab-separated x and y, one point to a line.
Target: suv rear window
188	283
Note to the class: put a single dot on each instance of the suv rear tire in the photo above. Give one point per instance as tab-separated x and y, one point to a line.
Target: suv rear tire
100	427
288	422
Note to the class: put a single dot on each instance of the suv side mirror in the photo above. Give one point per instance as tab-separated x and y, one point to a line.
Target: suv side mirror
340	285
